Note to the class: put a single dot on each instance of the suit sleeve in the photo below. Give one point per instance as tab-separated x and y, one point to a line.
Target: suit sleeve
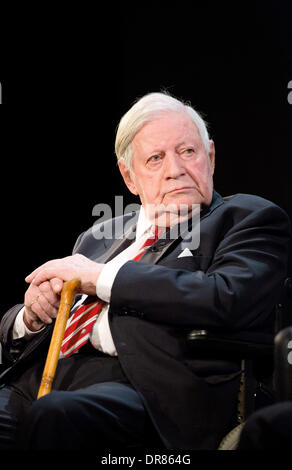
237	292
6	328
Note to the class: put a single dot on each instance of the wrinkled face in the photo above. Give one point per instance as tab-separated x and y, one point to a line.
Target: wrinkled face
171	166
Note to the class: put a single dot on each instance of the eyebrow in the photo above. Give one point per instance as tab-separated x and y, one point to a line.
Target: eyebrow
184	143
180	144
159	150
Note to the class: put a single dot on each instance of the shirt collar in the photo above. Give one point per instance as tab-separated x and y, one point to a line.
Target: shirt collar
143	224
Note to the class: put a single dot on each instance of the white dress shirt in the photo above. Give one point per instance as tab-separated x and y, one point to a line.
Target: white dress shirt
100	337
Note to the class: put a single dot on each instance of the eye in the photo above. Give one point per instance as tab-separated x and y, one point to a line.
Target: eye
187	152
154	159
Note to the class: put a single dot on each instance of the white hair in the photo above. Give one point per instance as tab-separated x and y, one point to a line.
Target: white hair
146	109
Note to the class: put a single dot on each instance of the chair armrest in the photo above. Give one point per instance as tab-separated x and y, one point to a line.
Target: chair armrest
244	344
283	365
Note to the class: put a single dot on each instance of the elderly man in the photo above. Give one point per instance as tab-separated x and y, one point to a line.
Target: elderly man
124	378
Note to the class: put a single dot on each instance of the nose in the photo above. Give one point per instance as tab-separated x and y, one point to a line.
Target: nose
173	166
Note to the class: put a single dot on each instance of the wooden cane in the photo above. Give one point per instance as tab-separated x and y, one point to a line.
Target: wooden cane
67	297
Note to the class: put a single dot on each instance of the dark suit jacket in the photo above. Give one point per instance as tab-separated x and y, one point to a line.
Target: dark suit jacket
231	283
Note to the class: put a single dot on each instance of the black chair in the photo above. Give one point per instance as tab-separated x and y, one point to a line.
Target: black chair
255	353
266	374
283	365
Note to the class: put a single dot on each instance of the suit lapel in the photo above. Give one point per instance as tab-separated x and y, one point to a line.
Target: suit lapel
121	241
116	248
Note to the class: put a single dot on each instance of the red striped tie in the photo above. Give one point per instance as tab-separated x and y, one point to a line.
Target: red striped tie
79	327
80	324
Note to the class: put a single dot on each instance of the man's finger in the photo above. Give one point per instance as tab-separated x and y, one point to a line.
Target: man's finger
38	310
57	284
50	273
30	277
45	274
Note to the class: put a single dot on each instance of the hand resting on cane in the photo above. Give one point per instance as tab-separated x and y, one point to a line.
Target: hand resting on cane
46	282
41	303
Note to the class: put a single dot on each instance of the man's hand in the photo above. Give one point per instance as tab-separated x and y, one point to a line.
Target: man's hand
65	269
41	304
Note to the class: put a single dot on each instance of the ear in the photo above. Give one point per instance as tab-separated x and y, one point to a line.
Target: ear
212	155
127	175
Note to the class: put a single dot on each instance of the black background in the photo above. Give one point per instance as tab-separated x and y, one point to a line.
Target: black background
68	74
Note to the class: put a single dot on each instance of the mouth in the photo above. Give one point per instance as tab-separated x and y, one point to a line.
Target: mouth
184	188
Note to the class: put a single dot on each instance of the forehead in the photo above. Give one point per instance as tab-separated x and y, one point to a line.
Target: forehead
168	129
